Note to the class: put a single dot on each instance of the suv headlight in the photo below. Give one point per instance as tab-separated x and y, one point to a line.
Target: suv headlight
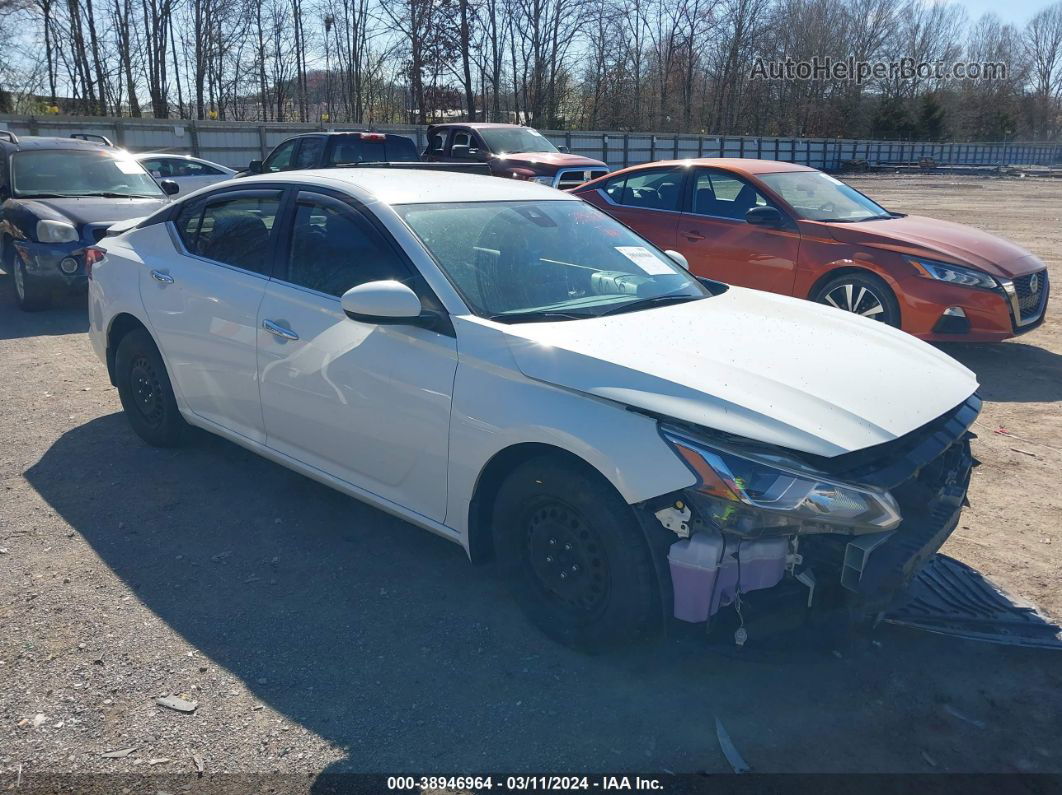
953	274
780	488
56	232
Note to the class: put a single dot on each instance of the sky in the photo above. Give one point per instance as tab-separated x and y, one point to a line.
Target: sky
1017	12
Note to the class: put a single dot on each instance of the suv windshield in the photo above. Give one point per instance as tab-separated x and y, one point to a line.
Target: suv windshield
527	261
73	172
503	140
820	197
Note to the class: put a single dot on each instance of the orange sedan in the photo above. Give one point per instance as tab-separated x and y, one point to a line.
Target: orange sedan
797	231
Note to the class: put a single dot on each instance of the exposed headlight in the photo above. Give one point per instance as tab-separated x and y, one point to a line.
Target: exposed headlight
56	232
542	180
780	488
953	274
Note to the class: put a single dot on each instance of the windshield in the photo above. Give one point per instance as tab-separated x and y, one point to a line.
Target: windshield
73	172
502	140
820	197
546	260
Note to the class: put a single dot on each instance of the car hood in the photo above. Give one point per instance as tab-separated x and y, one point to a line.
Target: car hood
941	240
766	367
558	159
93	210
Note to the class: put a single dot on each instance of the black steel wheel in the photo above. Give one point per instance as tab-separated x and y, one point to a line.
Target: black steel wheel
575	556
145	390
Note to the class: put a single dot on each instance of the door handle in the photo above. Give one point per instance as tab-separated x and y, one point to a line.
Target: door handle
164	278
279	331
693	234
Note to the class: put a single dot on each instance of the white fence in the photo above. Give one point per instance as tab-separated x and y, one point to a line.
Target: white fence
236	143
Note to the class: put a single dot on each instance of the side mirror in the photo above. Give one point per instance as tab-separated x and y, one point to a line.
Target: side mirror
564	149
764	216
254	167
460	152
169	187
678	258
386	303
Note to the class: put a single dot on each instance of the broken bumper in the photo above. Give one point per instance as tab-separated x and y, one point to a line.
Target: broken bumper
927	472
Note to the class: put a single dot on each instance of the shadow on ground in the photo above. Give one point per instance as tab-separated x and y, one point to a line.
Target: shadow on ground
383	639
68	315
1012	372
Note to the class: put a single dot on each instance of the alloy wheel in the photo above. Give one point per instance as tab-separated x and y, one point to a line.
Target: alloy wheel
856	298
567	558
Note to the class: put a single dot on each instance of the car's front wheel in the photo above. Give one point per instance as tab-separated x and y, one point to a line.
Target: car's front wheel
575	556
862	293
145	391
30	294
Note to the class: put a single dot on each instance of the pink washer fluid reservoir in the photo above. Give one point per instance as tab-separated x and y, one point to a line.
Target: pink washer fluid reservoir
694	563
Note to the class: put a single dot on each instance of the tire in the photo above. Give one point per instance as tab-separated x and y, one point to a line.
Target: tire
862	293
575	557
30	294
145	391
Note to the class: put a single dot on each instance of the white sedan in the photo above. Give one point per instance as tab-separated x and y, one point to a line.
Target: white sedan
190	173
509	367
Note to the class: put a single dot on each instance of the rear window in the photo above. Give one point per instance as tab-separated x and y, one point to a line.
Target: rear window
355	149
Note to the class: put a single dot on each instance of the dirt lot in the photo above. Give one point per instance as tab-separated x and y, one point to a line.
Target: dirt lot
319	634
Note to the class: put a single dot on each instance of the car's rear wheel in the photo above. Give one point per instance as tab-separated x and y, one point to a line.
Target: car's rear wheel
30	294
145	391
862	293
574	556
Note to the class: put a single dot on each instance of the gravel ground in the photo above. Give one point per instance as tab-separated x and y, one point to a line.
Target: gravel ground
318	634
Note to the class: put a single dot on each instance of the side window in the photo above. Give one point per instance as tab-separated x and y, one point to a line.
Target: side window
658	189
438	140
334	248
190	168
187	224
724	196
233	229
280	159
157	167
462	139
310	152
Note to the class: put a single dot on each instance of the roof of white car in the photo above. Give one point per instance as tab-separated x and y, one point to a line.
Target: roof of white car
415	186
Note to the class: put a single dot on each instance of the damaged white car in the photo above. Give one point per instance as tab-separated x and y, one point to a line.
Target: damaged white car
511	368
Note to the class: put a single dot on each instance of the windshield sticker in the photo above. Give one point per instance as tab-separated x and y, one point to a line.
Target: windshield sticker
645	259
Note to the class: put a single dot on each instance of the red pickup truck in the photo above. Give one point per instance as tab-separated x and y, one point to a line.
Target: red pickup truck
511	151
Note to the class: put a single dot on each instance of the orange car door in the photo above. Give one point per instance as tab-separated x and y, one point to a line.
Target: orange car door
647	201
718	242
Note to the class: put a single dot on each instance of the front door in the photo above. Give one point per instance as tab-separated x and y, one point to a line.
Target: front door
367	404
202	291
720	244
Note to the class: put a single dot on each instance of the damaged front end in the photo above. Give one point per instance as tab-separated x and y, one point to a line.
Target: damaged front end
844	534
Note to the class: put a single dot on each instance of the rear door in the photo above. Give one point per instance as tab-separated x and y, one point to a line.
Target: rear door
202	297
310	153
719	243
648	201
367	404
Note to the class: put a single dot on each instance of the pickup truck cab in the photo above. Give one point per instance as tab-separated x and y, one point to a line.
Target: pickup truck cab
511	151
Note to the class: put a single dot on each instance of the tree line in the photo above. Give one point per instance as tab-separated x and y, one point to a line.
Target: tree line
662	65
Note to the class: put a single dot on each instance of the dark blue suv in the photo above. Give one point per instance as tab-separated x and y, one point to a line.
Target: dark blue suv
57	198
